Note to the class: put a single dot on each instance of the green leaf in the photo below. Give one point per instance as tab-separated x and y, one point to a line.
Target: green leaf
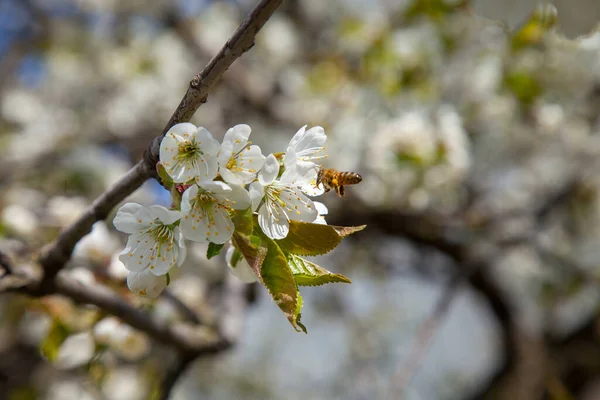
213	250
279	281
243	221
307	273
252	250
166	180
56	336
271	266
306	239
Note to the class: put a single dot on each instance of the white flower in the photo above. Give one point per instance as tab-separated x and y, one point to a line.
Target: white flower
189	153
146	284
306	147
239	160
239	266
322	210
155	243
206	209
279	201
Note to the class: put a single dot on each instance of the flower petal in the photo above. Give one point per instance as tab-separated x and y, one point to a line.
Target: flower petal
180	241
216	187
297	137
275	228
290	159
309	144
269	171
304	175
167	259
184	130
165	215
241	269
238	135
257	192
137	253
193	225
131	216
297	206
145	284
220	227
169	148
322	210
206	142
230	177
237	197
206	168
188	198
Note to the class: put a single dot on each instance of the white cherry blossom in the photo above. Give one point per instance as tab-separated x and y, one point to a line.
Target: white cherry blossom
188	152
155	242
239	160
279	201
146	284
206	209
306	147
239	266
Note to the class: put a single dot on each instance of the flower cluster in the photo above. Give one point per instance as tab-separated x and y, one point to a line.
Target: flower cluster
212	183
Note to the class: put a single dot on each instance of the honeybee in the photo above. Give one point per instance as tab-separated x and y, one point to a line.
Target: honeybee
332	179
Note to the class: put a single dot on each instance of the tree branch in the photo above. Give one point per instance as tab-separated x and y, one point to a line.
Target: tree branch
196	95
55	256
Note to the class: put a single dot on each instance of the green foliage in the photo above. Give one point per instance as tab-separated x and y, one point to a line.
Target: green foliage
56	336
306	239
213	250
307	273
279	282
244	221
251	249
281	270
165	179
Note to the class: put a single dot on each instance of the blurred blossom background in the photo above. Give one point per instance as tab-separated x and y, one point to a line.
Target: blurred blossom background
475	126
